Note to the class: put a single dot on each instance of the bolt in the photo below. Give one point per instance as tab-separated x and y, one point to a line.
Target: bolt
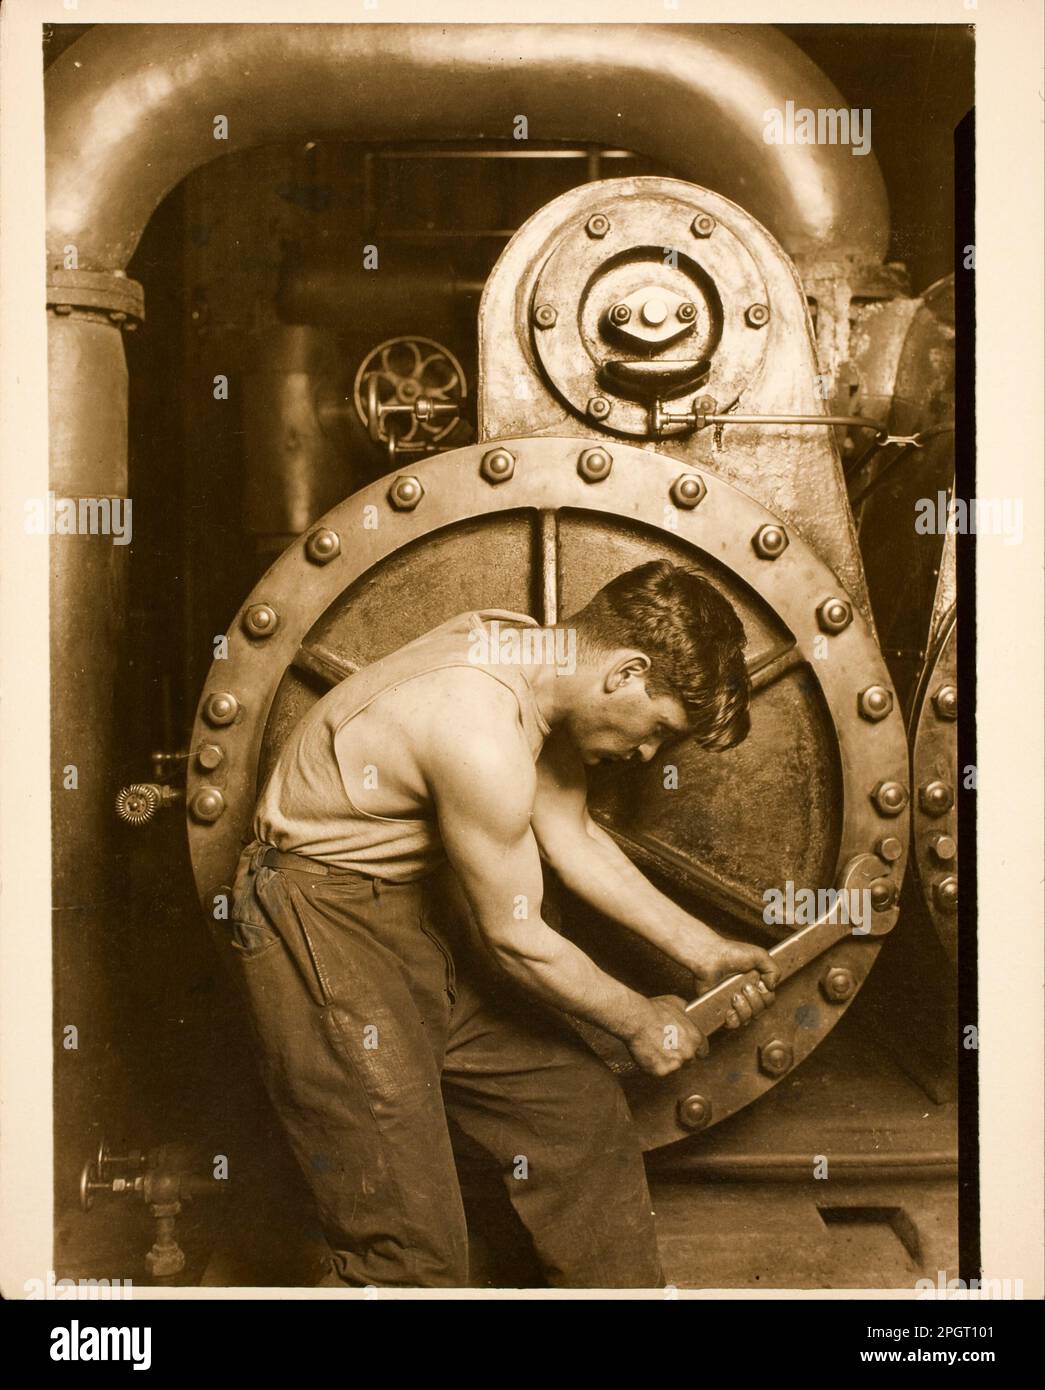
688	491
776	1057
890	798
706	405
838	985
210	755
769	541
756	315
260	620
936	798
405	493
323	546
889	848
694	1112
221	708
883	894
945	702
597	226
654	312
703	224
620	314
497	466
944	848
598	407
945	893
544	316
875	703
686	312
207	805
834	615
594	465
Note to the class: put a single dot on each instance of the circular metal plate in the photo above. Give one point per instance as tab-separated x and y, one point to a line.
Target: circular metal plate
472	534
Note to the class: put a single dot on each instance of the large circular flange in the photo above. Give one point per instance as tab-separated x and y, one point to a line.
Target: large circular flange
935	785
649	243
794	585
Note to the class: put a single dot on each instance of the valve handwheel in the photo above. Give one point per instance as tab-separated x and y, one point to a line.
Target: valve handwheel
400	372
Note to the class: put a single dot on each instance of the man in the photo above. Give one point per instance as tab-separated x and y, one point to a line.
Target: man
388	1022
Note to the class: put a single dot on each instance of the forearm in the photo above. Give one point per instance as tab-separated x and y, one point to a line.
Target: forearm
591	865
559	973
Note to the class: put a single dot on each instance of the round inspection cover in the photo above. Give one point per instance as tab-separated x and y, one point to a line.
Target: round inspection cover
799	800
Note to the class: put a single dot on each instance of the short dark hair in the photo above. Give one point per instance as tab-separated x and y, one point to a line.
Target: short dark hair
692	636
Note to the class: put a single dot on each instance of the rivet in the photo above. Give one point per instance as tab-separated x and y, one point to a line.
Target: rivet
936	798
323	546
770	541
597	225
838	985
889	848
890	797
883	894
703	224
260	620
221	708
875	703
834	615
944	847
694	1112
756	315
776	1057
207	805
686	312
945	702
620	314
405	493
598	407
210	755
594	465
688	491
497	466
544	316
945	893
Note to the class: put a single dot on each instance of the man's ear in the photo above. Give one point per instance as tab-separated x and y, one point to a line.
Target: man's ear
628	666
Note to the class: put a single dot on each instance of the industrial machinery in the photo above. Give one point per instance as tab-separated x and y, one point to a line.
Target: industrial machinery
687	359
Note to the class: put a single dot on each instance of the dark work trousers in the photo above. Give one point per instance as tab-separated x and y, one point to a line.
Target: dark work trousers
372	1033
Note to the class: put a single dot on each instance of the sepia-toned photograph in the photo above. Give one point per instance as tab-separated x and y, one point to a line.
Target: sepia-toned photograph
512	525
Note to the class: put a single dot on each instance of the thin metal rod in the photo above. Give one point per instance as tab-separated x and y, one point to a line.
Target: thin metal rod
549	568
766	670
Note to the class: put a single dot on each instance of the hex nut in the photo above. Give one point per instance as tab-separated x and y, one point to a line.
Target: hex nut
945	702
702	225
597	225
770	542
875	703
323	546
838	985
545	316
598	407
221	708
688	491
945	893
594	465
936	798
260	620
883	894
405	493
207	805
694	1112
497	466
756	315
889	797
834	615
776	1057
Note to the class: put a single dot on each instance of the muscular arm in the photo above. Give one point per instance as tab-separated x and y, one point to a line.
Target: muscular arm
483	788
592	865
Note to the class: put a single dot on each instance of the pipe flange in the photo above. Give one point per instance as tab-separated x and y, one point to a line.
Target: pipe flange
98	294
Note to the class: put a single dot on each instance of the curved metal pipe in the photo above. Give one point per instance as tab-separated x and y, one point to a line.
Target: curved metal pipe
131	109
